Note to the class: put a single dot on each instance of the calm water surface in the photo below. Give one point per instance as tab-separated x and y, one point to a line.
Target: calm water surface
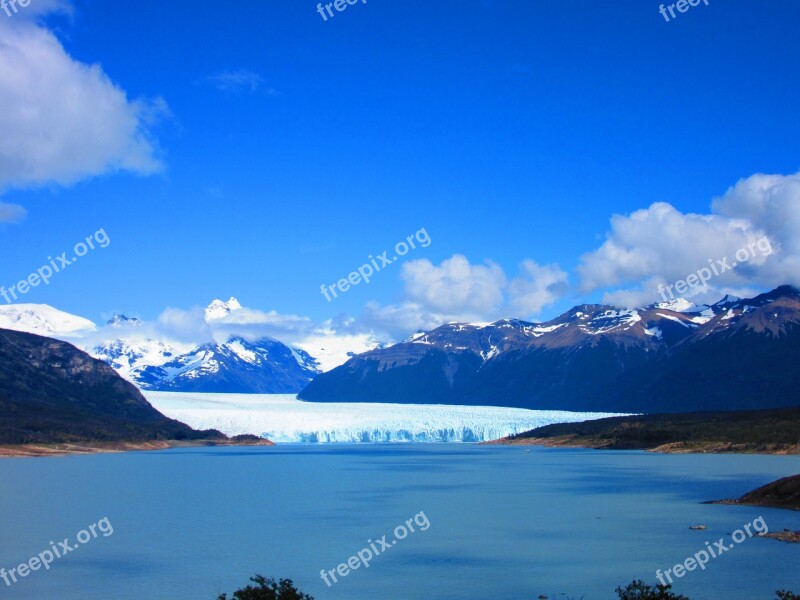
504	523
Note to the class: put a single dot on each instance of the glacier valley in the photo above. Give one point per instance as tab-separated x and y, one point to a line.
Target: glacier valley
284	419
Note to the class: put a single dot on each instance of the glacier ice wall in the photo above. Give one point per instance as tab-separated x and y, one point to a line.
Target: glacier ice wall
283	418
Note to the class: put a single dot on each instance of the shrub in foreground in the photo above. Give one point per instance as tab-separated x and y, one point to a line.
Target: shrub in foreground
268	589
638	590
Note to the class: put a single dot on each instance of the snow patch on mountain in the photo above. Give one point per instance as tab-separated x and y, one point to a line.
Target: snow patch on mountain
128	355
43	319
680	305
331	349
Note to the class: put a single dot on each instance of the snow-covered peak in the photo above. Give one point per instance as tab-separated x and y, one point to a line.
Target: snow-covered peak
45	320
728	299
681	305
120	321
219	309
415	336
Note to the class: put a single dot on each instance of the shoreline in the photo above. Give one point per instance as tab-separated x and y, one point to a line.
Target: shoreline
565	441
695	447
79	448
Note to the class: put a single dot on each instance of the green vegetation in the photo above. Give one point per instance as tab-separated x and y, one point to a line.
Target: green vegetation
737	431
638	590
268	589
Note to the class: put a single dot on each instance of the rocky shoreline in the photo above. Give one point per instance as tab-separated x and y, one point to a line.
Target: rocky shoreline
783	493
67	449
696	447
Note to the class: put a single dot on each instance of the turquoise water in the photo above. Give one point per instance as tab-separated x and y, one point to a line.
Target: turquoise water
504	523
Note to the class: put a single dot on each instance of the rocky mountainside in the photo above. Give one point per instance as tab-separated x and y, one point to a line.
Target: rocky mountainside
669	357
51	392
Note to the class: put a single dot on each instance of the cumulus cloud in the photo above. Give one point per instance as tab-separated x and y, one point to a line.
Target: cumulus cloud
62	120
537	287
771	203
399	320
455	286
457	290
11	213
660	245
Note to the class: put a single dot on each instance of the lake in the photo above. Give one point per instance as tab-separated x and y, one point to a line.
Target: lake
503	523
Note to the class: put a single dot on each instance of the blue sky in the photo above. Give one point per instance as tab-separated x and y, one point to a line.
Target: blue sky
273	151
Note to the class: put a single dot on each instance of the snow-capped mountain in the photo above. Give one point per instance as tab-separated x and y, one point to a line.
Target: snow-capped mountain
219	310
122	322
235	366
45	320
734	354
141	354
128	356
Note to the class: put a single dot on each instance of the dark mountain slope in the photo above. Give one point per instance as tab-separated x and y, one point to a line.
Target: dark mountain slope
51	392
736	354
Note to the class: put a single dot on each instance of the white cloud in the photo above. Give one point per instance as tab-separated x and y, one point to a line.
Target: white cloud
183	325
457	290
39	8
455	286
772	204
400	320
661	245
11	213
331	342
537	287
62	120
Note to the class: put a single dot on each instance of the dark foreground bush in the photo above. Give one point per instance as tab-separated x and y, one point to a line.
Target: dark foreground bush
638	590
268	589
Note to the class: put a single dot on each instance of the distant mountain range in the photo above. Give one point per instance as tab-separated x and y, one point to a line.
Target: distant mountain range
152	362
263	366
236	366
737	354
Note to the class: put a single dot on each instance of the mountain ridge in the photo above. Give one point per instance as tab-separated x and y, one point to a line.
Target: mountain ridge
592	357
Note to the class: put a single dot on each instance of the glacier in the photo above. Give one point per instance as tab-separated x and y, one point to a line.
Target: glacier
283	418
